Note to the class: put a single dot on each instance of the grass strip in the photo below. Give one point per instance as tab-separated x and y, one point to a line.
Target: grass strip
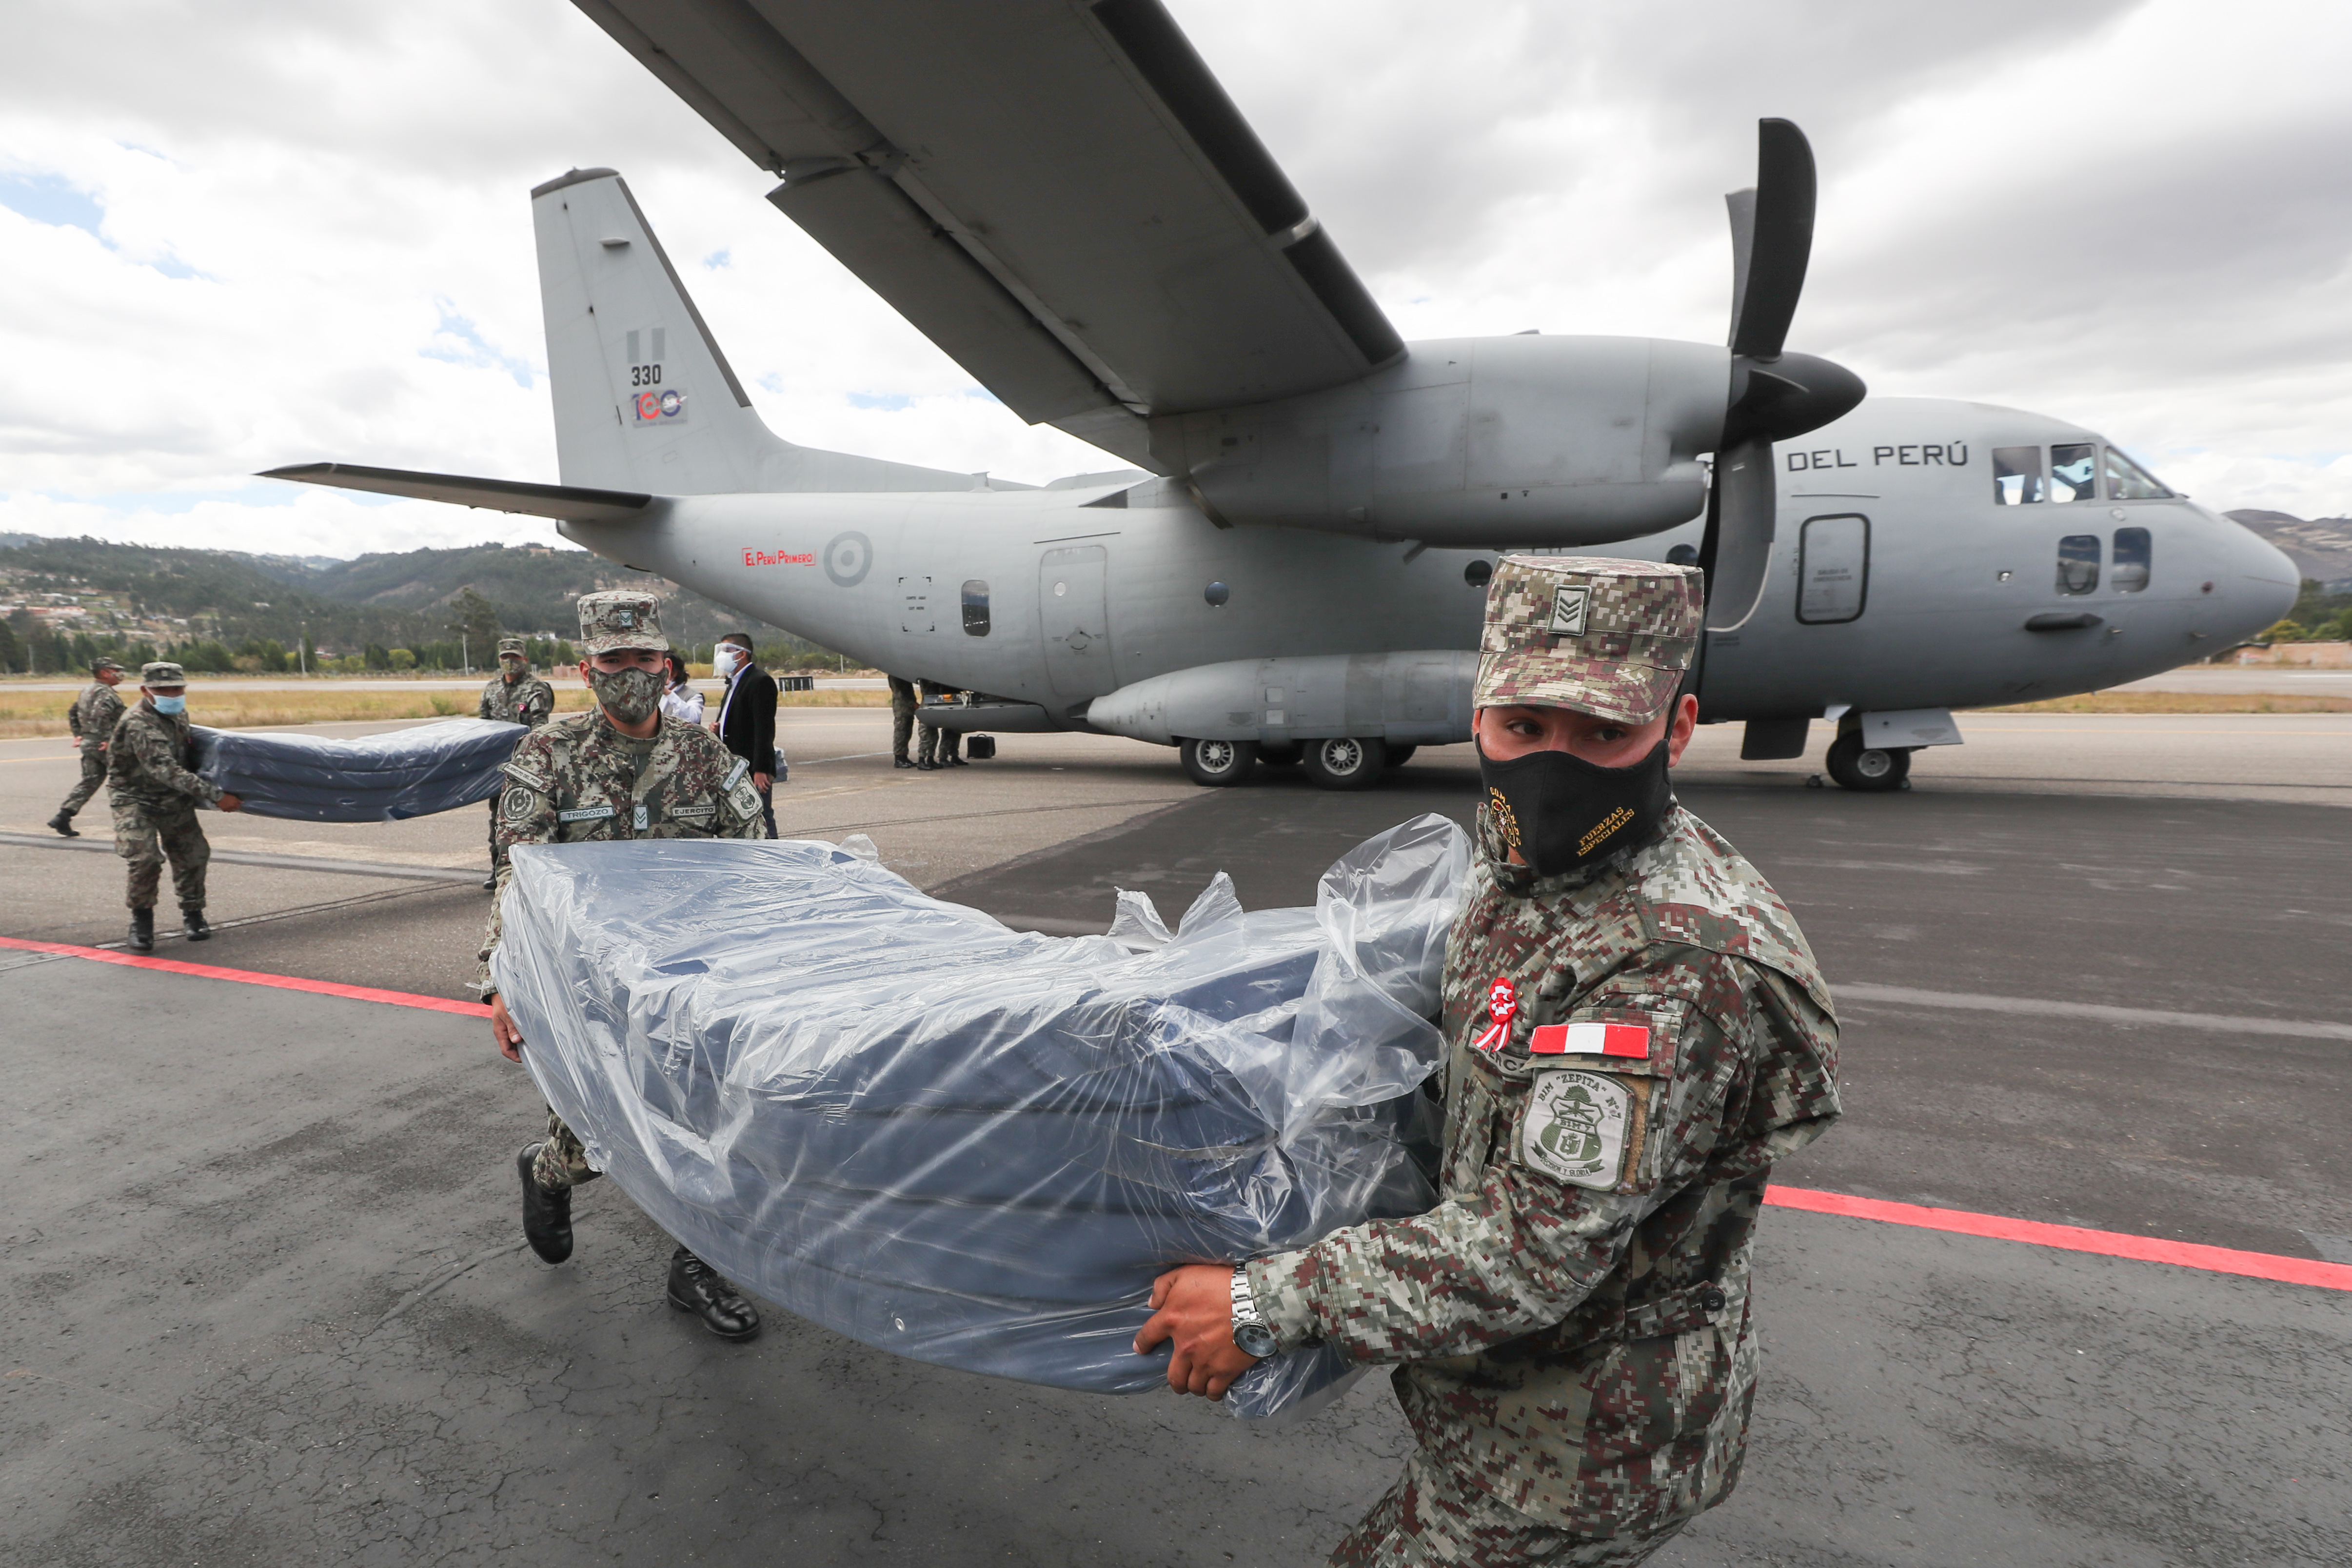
224	707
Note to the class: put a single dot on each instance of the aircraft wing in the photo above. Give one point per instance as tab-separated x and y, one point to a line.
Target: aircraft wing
572	503
1057	192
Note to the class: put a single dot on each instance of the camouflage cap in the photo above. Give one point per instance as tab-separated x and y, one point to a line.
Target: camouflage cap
98	664
620	618
512	646
1602	636
161	672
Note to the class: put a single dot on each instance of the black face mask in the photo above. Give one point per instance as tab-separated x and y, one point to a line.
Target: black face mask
1562	813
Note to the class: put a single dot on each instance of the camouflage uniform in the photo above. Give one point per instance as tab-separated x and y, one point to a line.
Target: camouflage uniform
91	719
154	797
526	701
1572	1320
939	747
903	703
577	780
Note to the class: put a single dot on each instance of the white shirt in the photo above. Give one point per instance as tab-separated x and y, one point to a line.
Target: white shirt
683	703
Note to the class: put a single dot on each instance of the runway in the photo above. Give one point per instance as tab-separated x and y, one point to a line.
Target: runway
265	1305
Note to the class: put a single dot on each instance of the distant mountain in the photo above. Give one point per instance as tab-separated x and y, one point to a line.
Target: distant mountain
402	600
2321	548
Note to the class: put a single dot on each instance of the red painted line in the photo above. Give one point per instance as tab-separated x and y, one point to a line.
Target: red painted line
253	977
2071	1238
1963	1222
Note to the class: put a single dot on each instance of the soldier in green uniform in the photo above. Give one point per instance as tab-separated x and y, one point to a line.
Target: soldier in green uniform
91	719
518	697
903	703
938	748
154	797
622	770
1636	1031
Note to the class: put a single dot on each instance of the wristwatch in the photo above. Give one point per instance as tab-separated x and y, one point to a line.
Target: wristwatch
1251	1335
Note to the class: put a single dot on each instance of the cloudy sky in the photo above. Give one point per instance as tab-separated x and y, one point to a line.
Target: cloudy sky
237	236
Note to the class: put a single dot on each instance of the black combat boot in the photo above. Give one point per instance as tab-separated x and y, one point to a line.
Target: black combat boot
546	1215
143	930
194	927
64	825
695	1286
490	883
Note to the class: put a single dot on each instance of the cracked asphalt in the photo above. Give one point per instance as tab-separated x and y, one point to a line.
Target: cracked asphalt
263	1303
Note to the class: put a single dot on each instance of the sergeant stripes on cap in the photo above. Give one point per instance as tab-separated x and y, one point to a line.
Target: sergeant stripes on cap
1603	636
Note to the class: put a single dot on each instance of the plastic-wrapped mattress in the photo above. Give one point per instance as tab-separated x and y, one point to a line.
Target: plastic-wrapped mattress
971	1145
363	778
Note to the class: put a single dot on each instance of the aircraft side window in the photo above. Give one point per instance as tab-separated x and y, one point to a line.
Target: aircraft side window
2078	563
2134	555
975	608
2016	475
2127	480
1833	569
2073	472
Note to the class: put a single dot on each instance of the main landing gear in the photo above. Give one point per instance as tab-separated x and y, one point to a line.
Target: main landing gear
1869	769
1344	762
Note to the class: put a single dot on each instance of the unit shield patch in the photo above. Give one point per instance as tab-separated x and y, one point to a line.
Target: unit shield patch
1567	603
1576	1128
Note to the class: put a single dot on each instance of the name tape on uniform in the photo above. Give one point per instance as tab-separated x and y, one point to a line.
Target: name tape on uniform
1591	1039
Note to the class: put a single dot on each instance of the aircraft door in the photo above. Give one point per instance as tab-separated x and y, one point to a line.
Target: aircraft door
1833	569
1073	616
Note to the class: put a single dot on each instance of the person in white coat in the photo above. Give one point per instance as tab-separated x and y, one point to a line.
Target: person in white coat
679	699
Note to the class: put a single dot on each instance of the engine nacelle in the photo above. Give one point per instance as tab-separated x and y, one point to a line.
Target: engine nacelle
1416	699
1473	442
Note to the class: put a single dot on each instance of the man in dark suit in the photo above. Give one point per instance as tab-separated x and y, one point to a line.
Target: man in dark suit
747	717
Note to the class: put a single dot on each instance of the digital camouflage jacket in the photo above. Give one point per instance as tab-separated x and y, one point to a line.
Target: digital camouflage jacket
530	701
148	761
1572	1318
577	780
94	714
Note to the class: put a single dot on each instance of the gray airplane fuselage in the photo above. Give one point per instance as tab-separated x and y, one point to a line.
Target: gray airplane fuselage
1900	579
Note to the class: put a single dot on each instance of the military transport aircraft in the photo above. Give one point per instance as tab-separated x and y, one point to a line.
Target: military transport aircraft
1292	570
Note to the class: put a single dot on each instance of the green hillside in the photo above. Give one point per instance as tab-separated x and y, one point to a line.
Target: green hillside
65	601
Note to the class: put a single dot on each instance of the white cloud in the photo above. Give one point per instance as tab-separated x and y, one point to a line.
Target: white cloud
313	238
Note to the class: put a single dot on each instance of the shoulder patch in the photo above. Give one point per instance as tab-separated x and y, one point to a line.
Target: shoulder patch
523	775
735	775
1582	1128
742	799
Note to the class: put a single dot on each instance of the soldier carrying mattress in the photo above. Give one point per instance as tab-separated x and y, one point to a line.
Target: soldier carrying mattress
622	770
1635	1031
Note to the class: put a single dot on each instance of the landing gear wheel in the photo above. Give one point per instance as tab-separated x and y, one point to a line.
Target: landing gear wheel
1219	763
1869	769
1280	754
1400	755
1346	763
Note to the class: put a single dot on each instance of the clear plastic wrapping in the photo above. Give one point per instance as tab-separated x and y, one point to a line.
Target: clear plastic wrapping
971	1145
361	778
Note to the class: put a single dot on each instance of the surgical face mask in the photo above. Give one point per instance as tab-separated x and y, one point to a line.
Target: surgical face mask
627	696
170	704
1562	813
725	659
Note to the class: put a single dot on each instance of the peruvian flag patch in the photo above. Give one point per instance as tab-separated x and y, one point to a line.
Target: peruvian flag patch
1592	1040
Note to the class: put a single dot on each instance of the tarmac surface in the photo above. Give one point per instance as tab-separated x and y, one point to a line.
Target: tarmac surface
265	1305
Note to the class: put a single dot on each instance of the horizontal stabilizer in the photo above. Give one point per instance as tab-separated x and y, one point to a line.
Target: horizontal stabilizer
571	503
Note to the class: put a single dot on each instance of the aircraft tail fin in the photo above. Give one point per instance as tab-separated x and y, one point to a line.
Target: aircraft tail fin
645	400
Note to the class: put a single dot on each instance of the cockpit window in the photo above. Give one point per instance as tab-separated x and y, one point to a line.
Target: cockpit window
2134	556
2016	475
2127	480
2073	472
2078	563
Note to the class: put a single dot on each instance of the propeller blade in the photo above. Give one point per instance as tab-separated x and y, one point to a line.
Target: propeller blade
1772	247
1742	513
